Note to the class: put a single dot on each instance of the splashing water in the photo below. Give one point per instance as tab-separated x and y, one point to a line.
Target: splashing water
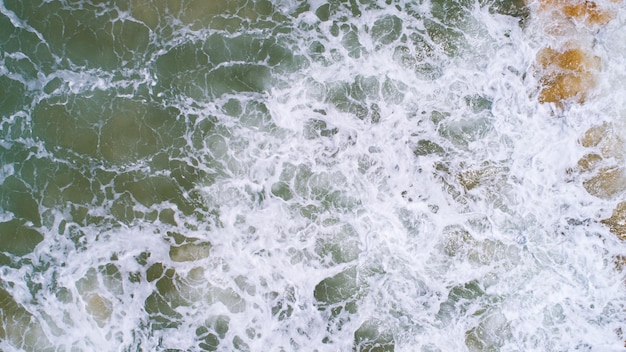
316	176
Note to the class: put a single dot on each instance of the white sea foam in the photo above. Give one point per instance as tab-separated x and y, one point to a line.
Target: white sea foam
362	198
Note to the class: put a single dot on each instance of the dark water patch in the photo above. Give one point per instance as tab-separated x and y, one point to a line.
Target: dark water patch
451	13
237	78
90	47
106	127
372	336
514	8
154	193
161	315
12	99
337	297
387	29
340	245
449	40
84	34
211	332
221	65
20	41
57	128
426	147
18	198
17	238
66	184
462	299
93	140
22	67
337	289
282	190
357	97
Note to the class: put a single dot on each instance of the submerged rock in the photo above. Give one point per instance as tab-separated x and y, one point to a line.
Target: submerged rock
604	164
373	336
566	74
603	137
608	176
617	221
594	135
189	252
589	162
487	174
607	182
587	11
98	307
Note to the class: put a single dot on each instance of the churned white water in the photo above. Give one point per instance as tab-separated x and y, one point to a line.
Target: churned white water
290	176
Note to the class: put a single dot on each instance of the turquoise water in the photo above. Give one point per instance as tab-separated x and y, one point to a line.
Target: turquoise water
290	175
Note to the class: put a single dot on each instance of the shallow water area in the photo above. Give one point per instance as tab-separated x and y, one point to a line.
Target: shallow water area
315	176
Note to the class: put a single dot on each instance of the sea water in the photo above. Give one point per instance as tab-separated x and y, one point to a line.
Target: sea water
247	175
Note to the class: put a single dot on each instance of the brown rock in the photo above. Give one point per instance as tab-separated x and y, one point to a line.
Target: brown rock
564	86
589	162
573	59
565	74
588	12
487	174
617	222
568	74
606	183
612	146
98	307
594	135
610	180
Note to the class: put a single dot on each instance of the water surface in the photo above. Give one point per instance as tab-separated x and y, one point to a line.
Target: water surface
281	176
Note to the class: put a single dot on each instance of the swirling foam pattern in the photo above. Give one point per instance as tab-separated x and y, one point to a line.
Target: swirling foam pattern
253	175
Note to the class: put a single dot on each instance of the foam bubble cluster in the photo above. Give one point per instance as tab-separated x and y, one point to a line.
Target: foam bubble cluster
256	175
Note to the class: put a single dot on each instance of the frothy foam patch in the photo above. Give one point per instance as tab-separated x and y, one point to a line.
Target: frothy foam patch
297	176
